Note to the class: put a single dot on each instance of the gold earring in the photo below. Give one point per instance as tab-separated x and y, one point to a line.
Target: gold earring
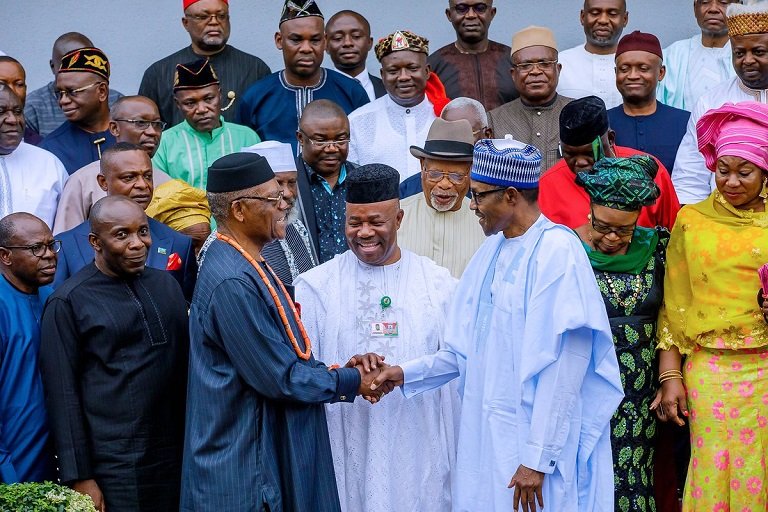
764	192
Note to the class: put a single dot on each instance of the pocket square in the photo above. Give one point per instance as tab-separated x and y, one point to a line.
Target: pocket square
174	262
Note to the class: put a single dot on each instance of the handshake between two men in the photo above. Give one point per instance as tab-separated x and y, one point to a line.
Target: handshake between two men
376	377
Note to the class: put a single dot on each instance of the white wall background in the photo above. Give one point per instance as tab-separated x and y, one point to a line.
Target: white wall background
135	33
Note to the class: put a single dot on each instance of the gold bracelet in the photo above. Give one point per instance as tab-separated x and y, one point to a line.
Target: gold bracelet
665	379
676	373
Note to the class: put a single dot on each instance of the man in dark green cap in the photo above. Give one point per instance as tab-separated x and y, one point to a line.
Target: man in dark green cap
256	435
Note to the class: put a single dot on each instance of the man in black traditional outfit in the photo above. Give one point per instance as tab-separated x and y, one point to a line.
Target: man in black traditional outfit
256	436
113	358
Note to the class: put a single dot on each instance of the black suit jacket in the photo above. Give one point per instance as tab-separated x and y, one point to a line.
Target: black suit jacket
306	203
378	86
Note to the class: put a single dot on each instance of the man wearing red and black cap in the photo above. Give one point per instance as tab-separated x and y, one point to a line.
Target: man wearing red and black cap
82	87
640	121
208	25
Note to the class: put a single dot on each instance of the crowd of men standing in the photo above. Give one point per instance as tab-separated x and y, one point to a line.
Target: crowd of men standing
198	280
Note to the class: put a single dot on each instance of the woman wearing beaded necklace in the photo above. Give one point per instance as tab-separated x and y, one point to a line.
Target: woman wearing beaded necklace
710	316
628	262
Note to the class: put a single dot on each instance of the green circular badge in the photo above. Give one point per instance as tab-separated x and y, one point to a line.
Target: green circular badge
386	302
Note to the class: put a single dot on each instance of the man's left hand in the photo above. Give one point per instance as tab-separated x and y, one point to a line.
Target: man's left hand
527	484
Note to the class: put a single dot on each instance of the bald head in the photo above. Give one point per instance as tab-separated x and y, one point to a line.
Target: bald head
321	109
27	252
119	236
66	43
113	209
14	225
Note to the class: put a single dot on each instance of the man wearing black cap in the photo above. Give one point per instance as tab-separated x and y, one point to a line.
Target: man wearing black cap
256	436
189	148
438	224
385	299
208	24
82	87
113	359
273	105
586	137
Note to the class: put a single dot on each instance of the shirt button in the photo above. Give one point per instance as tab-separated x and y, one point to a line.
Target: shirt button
538	113
343	397
407	111
538	134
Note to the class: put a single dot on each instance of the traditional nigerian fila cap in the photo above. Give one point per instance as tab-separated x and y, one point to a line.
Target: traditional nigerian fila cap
622	183
583	120
187	3
293	9
747	17
372	183
533	36
194	75
238	171
278	154
641	41
399	41
506	163
86	60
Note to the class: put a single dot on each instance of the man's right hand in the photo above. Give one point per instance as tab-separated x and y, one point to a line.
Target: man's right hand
91	488
388	379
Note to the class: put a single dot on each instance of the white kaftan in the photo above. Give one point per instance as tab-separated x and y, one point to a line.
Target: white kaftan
395	456
529	336
692	180
692	70
587	74
382	132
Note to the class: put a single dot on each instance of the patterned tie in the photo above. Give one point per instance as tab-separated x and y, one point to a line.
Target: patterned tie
5	190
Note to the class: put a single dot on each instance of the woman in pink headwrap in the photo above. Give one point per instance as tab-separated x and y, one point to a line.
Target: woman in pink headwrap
710	316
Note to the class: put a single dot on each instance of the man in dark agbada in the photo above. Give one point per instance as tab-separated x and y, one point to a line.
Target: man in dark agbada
113	358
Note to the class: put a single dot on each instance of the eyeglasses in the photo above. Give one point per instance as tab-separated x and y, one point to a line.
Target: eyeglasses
207	18
543	65
141	124
479	130
477	197
73	93
38	250
621	231
275	199
464	8
322	144
719	2
453	177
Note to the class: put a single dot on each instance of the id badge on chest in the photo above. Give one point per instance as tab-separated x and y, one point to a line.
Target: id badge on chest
384	329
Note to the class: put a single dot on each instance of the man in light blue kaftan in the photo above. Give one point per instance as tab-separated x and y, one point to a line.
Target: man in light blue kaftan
530	340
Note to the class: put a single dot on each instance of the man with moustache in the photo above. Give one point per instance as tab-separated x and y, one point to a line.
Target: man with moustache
132	119
588	69
533	117
189	148
473	66
438	224
31	179
126	170
642	122
380	297
323	167
348	41
82	87
384	130
208	24
42	108
273	105
113	359
748	32
294	253
696	65
27	266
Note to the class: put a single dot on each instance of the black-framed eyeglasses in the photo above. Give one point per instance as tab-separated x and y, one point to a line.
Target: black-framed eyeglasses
276	199
207	18
74	93
604	229
141	124
38	250
477	197
453	177
322	144
543	65
464	8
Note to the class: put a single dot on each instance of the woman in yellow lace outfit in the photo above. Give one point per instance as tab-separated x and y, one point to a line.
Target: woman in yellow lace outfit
710	315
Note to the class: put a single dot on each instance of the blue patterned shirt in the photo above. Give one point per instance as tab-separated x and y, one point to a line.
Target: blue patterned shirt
330	210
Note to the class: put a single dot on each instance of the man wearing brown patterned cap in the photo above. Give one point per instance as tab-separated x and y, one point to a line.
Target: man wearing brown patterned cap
82	87
384	130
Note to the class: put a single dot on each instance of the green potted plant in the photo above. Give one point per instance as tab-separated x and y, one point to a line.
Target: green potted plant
44	497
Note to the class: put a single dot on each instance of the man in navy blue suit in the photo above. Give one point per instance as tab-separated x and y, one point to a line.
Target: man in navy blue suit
126	170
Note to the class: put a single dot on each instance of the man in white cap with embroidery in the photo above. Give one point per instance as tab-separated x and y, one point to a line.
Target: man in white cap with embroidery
377	296
531	430
748	32
438	224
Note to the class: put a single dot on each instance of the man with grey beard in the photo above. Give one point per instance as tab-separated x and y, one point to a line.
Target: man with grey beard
439	224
